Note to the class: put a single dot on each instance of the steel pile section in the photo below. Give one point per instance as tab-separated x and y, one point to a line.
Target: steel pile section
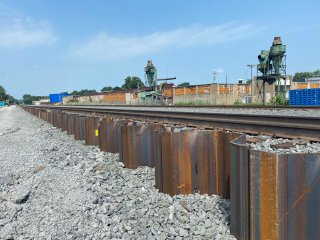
56	119
193	161
60	120
109	130
64	121
59	116
239	185
221	162
92	130
71	122
50	116
136	144
284	196
80	133
274	196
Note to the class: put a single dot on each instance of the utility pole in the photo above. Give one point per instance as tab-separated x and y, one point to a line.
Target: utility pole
251	66
226	89
214	76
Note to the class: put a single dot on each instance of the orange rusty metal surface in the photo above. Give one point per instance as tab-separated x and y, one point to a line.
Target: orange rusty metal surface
193	161
109	132
284	196
274	196
92	130
135	144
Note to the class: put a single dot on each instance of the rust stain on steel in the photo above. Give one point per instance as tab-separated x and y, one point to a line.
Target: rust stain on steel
285	194
157	156
221	153
239	189
283	145
193	161
91	125
64	121
109	130
80	128
71	124
135	144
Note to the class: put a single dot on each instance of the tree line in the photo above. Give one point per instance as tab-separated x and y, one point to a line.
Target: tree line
301	76
5	97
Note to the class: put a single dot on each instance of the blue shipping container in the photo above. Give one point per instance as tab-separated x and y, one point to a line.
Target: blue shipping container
57	97
305	97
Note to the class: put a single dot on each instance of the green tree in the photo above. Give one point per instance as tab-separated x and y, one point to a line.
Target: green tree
74	92
83	91
3	94
184	84
28	98
105	89
301	76
86	91
132	83
116	88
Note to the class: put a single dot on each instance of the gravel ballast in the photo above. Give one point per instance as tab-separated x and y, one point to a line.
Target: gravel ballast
310	113
53	187
274	145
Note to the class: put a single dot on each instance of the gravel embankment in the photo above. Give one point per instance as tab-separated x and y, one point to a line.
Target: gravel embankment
53	187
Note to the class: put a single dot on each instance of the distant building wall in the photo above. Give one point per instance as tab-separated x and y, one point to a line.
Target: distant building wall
212	94
304	85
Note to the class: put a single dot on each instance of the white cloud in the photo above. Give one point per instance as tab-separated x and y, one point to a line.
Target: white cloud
18	31
106	47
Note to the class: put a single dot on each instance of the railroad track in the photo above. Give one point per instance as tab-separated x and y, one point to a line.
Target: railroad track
242	106
274	125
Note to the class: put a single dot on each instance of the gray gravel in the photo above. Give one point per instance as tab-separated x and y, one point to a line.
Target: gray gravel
268	145
52	187
253	111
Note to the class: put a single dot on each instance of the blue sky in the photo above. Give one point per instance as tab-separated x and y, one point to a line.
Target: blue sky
55	46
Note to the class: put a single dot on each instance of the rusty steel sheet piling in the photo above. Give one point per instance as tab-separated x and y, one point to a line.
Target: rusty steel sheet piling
284	196
80	132
135	144
239	188
71	122
274	196
193	161
109	130
56	119
64	121
92	130
50	115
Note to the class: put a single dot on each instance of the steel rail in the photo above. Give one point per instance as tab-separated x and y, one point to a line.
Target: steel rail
242	106
278	126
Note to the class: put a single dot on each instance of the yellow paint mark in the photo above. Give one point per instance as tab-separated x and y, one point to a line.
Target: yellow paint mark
97	133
